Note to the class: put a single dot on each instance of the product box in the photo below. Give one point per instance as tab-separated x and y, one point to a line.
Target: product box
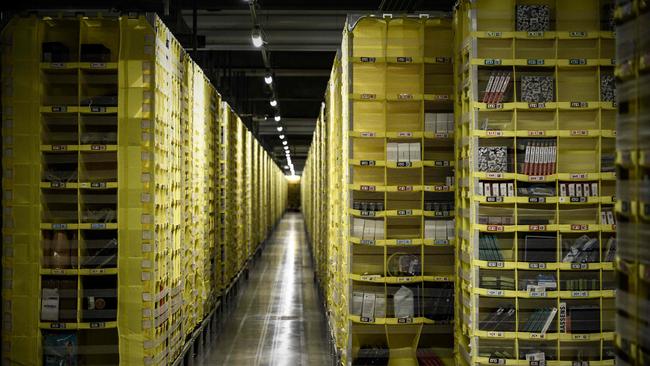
369	230
380	305
391	151
610	217
450	229
429	229
495	190
503	188
563	191
480	189
537	89
488	189
357	228
50	305
594	189
430	122
441	230
368	308
586	189
493	159
572	189
414	151
379	229
403	151
511	189
533	18
579	190
441	123
450	122
357	303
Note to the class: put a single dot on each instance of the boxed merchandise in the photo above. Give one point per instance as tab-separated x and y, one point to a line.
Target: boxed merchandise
403	152
450	122
450	229
50	305
480	188
493	159
391	151
357	303
429	229
379	229
607	88
441	230
533	18
369	230
441	123
380	306
368	308
537	89
357	227
414	152
430	122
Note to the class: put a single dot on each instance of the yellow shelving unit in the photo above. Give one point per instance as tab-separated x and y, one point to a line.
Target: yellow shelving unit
536	182
119	195
633	259
378	191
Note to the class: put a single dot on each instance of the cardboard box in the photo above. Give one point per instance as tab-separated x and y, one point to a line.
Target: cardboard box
563	190
450	122
594	189
511	189
414	151
480	188
403	151
503	188
572	189
391	151
495	190
450	229
429	229
430	122
368	308
578	189
441	230
369	230
441	123
380	305
357	303
357	227
586	189
379	229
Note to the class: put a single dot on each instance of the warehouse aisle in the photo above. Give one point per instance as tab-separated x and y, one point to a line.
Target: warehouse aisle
277	320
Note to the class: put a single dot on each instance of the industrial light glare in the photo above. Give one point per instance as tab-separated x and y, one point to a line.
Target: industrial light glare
256	37
286	148
273	102
277	118
268	79
286	167
284	142
279	128
281	137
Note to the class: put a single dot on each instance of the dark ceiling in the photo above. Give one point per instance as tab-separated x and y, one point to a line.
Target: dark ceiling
302	38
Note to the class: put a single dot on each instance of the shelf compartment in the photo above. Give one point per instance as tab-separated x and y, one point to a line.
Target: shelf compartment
367	260
98	88
534	50
497	247
369	116
369	79
99	206
369	38
578	155
98	129
60	41
533	314
59	206
438	261
496	315
98	249
59	167
537	247
98	166
60	88
58	299
403	228
403	177
368	149
99	298
578	85
404	40
404	81
404	117
60	248
98	346
59	129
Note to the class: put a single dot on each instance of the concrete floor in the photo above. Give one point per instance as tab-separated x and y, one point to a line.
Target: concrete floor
277	319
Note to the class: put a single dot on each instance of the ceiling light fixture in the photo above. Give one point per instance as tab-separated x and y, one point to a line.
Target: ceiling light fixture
256	37
268	79
279	128
278	118
286	148
273	102
281	137
284	142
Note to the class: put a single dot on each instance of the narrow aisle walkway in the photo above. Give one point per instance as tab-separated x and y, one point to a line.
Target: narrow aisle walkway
278	320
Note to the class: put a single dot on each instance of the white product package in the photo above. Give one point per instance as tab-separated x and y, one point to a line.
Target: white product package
403	303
